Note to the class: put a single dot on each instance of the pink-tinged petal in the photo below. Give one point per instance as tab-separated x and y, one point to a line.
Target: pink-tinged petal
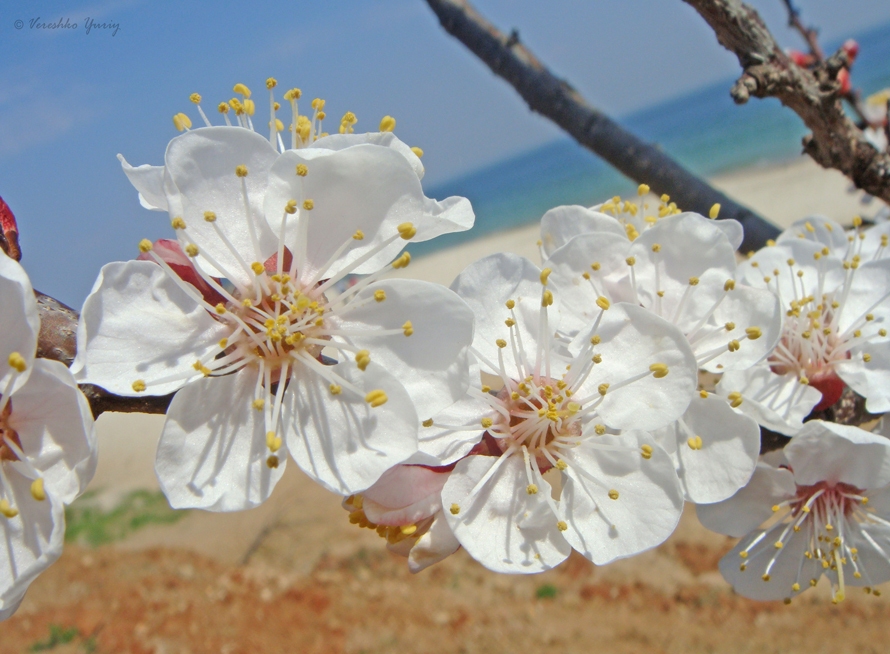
55	427
647	498
434	546
404	495
339	440
29	542
201	165
171	253
138	324
432	362
561	224
212	454
499	524
149	182
752	505
825	451
19	322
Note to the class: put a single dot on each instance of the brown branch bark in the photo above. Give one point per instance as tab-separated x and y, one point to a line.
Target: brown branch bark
814	95
557	100
58	329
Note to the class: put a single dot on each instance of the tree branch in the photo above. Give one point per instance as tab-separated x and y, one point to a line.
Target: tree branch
814	95
557	100
57	341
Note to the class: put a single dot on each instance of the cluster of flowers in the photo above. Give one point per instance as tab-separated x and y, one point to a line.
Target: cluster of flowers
522	413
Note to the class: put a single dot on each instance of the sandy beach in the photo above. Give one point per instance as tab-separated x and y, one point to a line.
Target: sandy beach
295	576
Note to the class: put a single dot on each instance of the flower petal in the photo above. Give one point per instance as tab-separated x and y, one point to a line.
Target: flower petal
453	433
385	139
149	182
339	440
435	545
138	324
212	454
825	451
404	494
561	224
19	322
500	525
869	379
55	426
616	503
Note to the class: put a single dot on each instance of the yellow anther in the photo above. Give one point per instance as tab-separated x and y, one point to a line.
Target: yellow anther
138	385
486	388
544	275
209	216
743	554
869	317
804	380
290	207
546	298
380	295
455	509
715	210
630	261
17	361
223	343
246	302
733	345
387	124
359	235
308	205
729	285
417	152
220	308
729	326
778	545
376	398
486	422
613	494
694	442
292	94
866	357
561	465
145	245
531	489
191	249
561	525
241	170
753	333
646	451
603	302
407	328
643	189
257	268
596	339
38	492
510	304
765	577
509	322
693	281
659	370
363	358
408	530
258	404
335	389
665	198
318	104
222	108
407	230
597	358
656	247
181	122
501	343
600	430
735	399
272	462
703	394
7	510
817	256
177	223
402	260
603	389
242	89
302	170
273	442
271	83
428	422
514	396
857	221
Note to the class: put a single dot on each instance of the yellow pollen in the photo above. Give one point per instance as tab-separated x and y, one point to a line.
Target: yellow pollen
407	230
272	462
857	221
408	530
209	216
646	451
258	404
486	422
376	398
715	210
743	555
380	295
546	298
597	358
220	308
531	489
544	275
7	510
603	303
257	268
753	333
177	223
241	170
38	492
735	399
302	170
181	122
561	525
222	108
359	235
643	189
246	303
509	322
804	380
145	245
600	430
363	358
242	89
779	545
191	249
139	385
866	357
335	389
595	339
765	577
733	345
613	494
291	207
561	465
693	281
659	370
428	422
703	394
273	442
603	389
17	361
695	442
308	205
630	261
223	343
387	124
595	266
417	152
455	509
407	328
510	304
501	343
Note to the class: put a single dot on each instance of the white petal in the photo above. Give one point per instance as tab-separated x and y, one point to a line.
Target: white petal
339	440
752	505
443	445
436	544
777	402
404	495
730	445
137	323
819	230
431	363
561	224
19	322
56	430
149	182
873	555
632	340
31	541
789	286
825	451
871	380
501	525
648	504
869	289
212	453
201	164
733	230
486	285
385	139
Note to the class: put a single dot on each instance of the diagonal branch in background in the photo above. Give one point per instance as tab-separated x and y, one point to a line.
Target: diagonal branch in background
555	99
813	95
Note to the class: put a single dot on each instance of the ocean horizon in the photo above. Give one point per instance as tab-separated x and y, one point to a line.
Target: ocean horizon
703	129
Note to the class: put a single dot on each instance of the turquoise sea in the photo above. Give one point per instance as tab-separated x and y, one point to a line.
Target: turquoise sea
704	130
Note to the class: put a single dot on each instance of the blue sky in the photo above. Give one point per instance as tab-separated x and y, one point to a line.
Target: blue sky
70	101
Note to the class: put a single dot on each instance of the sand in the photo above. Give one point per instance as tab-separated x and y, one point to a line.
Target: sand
295	576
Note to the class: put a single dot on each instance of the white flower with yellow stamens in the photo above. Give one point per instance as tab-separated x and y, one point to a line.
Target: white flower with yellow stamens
47	443
837	311
557	404
271	237
683	269
826	512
